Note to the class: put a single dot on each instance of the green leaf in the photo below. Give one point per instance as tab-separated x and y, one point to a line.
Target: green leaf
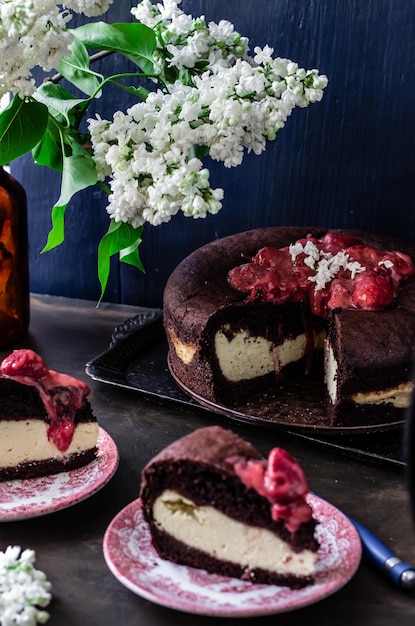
139	92
57	232
120	239
61	104
22	125
78	173
48	151
75	68
137	42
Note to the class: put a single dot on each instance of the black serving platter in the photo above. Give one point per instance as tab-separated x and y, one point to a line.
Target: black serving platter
137	359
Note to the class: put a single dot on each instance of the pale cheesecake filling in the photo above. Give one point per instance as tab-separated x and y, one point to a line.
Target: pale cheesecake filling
184	351
330	373
242	356
23	441
399	396
207	529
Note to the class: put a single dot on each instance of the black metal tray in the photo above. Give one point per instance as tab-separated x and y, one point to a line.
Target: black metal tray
137	359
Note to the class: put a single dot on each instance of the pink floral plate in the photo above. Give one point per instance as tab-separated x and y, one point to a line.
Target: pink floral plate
132	559
21	499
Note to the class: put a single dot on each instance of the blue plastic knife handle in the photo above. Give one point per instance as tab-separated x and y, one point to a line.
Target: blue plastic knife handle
401	573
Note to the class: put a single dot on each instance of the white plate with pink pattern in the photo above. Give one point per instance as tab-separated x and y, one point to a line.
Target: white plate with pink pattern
132	559
22	499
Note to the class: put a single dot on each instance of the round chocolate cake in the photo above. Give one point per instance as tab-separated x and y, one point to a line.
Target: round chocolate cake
300	325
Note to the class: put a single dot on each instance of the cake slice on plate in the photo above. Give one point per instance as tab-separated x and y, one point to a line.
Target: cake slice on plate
46	421
213	502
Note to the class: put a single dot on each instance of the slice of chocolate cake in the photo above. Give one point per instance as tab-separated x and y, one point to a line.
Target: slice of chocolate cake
214	503
46	422
369	366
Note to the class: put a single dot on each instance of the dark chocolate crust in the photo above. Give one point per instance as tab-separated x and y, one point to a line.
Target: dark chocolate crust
198	298
36	469
20	402
197	467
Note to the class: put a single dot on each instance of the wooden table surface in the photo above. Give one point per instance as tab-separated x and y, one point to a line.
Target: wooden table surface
68	543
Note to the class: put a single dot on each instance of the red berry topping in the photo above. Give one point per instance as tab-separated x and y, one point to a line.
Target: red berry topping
24	363
281	480
339	295
61	395
60	432
334	242
272	257
372	290
338	271
284	480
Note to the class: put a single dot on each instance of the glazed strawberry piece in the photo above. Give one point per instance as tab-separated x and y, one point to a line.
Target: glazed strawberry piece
402	267
24	363
251	472
335	242
367	256
280	480
284	479
273	257
373	290
340	295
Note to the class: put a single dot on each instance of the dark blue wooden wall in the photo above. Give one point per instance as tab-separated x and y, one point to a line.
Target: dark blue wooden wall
348	161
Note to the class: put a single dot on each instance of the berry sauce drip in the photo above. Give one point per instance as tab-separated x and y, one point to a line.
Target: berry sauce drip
337	271
281	480
62	395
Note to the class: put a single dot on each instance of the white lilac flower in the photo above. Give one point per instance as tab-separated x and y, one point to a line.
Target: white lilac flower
386	263
263	55
223	32
182	57
234	106
188	41
34	33
324	274
355	268
24	590
169	9
295	249
89	7
312	250
146	13
229	114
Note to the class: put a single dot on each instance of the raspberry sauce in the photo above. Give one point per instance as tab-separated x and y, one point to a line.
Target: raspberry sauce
62	395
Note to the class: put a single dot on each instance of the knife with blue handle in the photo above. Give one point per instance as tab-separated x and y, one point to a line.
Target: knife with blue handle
401	573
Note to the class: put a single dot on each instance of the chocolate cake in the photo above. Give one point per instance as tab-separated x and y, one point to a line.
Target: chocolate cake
46	421
247	315
214	503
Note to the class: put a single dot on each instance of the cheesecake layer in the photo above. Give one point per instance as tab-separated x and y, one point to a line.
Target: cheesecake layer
399	396
26	441
184	351
206	529
330	374
242	356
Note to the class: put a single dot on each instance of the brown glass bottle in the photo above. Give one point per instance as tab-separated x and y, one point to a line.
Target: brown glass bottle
14	264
